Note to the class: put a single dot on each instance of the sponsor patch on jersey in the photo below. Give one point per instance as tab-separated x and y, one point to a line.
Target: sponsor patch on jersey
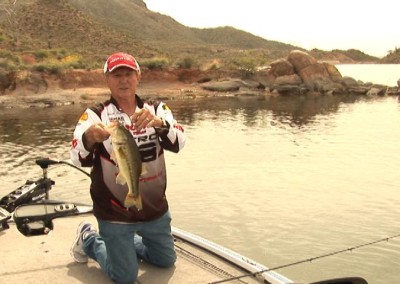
84	117
116	117
74	143
179	127
165	107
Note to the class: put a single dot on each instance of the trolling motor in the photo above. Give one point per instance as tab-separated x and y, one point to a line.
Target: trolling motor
31	208
31	191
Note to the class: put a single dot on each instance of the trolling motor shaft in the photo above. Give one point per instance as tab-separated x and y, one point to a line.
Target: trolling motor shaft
46	182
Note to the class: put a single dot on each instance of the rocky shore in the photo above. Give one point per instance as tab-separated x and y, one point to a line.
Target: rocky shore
85	87
298	74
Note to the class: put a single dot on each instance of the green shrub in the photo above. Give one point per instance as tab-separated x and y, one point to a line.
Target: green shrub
8	65
41	54
78	65
59	53
51	68
185	63
155	63
9	61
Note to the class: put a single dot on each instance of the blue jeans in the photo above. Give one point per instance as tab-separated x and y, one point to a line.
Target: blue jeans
118	246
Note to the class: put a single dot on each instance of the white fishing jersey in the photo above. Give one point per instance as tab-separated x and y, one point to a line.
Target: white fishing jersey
108	196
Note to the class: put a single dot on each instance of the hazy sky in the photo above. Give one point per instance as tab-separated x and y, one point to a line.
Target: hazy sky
370	26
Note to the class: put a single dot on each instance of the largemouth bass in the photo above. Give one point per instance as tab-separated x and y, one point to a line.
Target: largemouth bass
125	153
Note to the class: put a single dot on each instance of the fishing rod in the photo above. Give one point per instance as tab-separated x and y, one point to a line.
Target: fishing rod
311	259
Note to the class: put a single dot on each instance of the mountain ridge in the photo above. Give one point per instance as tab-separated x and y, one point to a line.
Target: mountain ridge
93	29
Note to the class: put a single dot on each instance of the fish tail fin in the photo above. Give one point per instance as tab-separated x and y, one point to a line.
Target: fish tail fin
139	204
132	200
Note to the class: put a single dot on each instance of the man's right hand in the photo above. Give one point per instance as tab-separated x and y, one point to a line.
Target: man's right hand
96	133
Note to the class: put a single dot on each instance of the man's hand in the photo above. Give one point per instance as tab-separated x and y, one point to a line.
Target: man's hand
144	118
96	133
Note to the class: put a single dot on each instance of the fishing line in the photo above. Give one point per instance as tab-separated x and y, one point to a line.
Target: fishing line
308	259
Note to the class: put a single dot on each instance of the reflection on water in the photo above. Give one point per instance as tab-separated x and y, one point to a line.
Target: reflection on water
296	111
278	180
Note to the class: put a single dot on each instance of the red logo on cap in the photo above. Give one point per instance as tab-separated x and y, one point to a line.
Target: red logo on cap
121	59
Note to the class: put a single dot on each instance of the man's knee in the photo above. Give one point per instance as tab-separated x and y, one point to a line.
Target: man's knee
125	277
167	261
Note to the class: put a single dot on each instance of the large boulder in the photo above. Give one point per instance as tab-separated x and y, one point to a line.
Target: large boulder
333	72
349	81
293	79
222	86
281	67
300	69
290	89
313	73
300	60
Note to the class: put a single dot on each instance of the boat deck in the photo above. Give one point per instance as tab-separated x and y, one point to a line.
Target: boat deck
46	259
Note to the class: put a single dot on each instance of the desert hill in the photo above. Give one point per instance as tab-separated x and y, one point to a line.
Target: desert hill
83	33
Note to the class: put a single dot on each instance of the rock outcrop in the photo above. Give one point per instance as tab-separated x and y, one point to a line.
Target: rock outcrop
301	74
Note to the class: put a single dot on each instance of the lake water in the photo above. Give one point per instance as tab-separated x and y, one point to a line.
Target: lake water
386	74
278	180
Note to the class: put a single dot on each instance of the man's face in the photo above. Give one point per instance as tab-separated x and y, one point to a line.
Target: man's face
122	82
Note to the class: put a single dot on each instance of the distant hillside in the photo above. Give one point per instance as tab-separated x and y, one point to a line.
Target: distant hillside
87	31
343	56
47	24
392	57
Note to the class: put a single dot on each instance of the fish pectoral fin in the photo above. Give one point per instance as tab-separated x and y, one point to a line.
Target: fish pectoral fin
120	179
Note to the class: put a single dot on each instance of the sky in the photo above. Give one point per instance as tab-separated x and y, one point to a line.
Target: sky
370	26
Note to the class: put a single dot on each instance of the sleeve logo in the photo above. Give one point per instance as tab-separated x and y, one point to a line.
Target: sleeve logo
83	117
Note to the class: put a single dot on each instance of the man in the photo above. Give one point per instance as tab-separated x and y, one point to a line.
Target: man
126	233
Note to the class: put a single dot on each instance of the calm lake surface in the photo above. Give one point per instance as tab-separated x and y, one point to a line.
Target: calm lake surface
278	180
386	74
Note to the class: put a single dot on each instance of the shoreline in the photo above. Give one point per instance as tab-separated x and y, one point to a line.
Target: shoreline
88	86
54	97
151	88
